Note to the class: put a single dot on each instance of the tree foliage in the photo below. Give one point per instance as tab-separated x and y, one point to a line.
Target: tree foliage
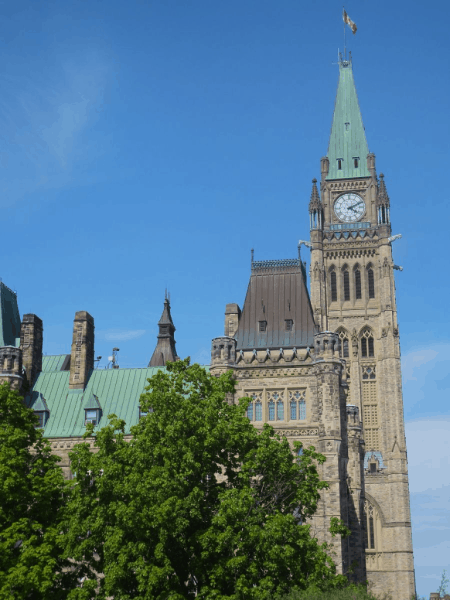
31	498
198	503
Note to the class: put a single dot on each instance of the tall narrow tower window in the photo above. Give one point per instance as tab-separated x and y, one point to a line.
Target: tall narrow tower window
339	163
356	162
357	284
343	337
346	281
367	344
333	286
371	283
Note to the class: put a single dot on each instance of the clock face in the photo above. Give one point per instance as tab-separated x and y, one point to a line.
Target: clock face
349	208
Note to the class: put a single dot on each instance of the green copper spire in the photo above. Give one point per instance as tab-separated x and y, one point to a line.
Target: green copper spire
347	150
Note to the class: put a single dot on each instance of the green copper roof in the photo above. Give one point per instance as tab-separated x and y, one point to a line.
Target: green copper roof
53	363
347	139
116	391
9	317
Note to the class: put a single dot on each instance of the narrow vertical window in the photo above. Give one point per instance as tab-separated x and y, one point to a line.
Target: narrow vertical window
346	286
356	162
371	534
333	286
289	324
345	348
293	410
339	162
258	411
358	284
370	346
364	347
271	411
302	410
250	411
280	410
371	283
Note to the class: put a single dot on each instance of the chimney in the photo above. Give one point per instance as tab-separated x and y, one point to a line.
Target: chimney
31	335
82	353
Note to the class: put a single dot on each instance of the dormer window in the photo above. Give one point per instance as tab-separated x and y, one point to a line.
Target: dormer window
92	416
42	416
339	163
355	162
289	324
262	325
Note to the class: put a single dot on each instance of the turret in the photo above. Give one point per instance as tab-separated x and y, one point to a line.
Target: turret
315	208
165	347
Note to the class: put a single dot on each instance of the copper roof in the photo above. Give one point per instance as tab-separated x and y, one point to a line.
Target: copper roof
277	311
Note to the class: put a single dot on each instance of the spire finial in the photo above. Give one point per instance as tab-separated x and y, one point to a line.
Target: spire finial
315	198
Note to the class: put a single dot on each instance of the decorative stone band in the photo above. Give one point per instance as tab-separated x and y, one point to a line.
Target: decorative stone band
298	432
278	355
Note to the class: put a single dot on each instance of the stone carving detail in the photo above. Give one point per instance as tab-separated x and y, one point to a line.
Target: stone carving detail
297	432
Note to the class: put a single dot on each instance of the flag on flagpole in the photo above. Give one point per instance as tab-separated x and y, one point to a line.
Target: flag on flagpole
349	22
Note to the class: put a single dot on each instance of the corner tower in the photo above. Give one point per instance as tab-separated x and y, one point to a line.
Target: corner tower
353	295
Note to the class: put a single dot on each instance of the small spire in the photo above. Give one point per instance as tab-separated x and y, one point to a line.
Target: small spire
315	198
382	195
165	347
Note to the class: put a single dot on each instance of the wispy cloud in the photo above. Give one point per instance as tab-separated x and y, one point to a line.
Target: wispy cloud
44	117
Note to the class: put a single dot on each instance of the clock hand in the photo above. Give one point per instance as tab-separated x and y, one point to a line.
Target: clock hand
353	206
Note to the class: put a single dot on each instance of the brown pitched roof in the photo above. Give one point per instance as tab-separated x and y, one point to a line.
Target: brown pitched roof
277	311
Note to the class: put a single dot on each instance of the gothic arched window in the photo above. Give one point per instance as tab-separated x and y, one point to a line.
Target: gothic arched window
346	283
370	282
297	404
333	285
357	274
373	529
344	349
254	409
367	344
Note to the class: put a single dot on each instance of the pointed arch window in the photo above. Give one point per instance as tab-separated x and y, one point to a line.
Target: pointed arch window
346	284
297	404
344	349
367	344
372	521
333	286
371	282
254	409
357	274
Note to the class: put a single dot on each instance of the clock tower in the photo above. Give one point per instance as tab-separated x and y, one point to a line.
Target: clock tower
353	295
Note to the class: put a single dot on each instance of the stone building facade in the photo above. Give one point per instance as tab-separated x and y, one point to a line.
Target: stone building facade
322	367
336	351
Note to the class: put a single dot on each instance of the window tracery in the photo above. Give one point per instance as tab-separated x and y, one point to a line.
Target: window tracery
297	403
344	346
254	409
367	344
275	405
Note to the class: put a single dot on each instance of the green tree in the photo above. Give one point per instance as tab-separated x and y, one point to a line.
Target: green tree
31	499
197	503
443	585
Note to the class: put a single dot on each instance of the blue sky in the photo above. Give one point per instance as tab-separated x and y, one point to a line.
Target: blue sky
146	145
